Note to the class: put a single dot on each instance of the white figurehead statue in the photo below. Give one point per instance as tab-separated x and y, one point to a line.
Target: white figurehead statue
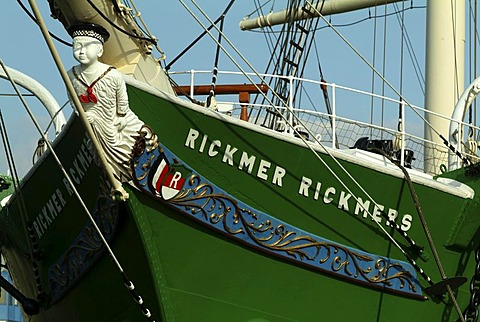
103	94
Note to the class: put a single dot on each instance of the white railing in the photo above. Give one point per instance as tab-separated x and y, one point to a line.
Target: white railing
354	114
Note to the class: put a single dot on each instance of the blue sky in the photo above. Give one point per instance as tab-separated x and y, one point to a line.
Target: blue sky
23	48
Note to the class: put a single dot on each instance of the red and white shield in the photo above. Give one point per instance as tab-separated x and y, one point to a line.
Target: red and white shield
167	181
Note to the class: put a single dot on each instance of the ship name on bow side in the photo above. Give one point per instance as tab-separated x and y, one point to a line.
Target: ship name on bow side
56	203
275	174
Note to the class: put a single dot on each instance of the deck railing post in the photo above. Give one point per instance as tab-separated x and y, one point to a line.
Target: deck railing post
244	99
402	133
459	143
334	116
192	82
290	128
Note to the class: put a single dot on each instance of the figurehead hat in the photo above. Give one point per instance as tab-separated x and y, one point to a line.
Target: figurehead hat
88	29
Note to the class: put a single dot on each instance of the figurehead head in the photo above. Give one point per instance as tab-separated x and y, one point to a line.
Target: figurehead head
88	40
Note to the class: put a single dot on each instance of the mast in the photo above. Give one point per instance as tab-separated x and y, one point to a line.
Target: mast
328	7
444	73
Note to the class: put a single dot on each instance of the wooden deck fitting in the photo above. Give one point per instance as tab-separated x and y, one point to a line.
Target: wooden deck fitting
243	91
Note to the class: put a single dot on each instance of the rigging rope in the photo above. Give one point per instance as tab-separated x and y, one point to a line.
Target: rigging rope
323	87
114	25
142	25
408	43
268	35
384	67
397	142
430	239
457	88
186	49
211	95
374	60
426	229
472	120
36	22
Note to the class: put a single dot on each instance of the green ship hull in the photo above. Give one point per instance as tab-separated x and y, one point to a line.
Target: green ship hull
185	270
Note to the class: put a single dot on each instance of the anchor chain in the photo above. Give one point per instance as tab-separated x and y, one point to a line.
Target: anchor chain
471	312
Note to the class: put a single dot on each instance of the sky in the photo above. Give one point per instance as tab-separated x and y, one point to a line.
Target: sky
23	48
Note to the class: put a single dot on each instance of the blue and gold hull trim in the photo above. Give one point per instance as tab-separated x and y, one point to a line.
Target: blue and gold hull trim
160	174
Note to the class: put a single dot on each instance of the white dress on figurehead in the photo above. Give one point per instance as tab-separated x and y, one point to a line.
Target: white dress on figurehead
109	114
